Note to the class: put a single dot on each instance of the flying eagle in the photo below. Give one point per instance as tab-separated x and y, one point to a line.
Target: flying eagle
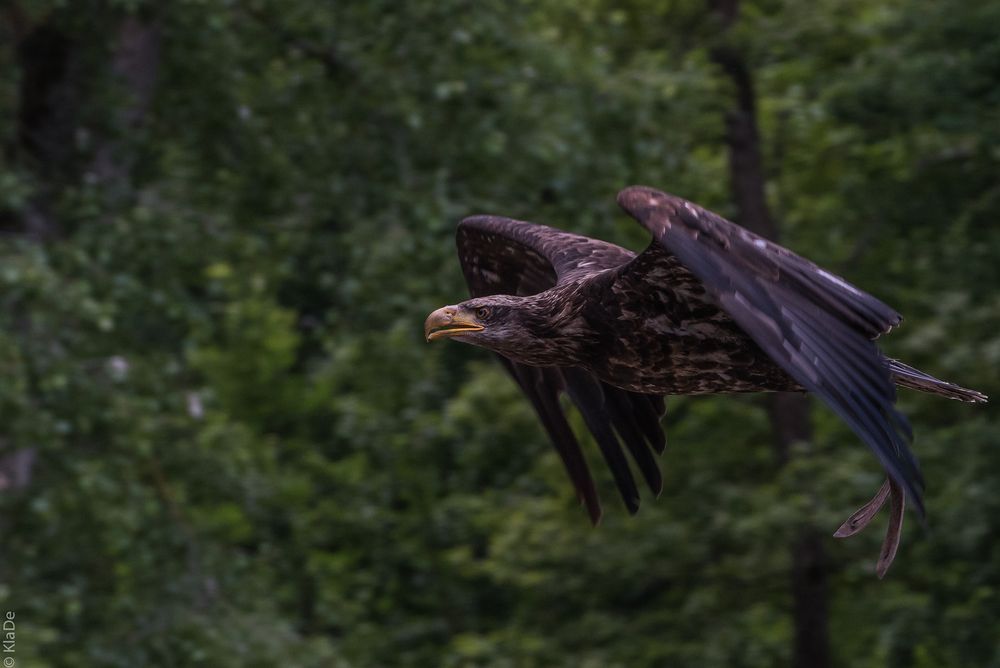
707	308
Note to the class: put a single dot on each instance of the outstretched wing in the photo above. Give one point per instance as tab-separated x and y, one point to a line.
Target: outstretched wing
815	325
504	256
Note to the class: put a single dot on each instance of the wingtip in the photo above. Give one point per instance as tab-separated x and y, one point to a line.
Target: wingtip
895	321
890	545
594	512
638	194
632	190
863	516
852	526
475	218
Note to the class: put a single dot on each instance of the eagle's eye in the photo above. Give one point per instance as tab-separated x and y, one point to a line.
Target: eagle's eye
483	312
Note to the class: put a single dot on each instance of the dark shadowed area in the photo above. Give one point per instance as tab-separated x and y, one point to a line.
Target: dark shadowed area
225	442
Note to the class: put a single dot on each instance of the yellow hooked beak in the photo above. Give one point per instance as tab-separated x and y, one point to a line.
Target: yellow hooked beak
450	321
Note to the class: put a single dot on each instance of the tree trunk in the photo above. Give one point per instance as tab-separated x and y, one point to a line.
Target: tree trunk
789	413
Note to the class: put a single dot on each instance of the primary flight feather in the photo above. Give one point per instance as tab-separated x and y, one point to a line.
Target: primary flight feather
708	307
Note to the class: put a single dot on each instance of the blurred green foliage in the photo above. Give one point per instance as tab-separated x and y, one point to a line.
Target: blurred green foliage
246	455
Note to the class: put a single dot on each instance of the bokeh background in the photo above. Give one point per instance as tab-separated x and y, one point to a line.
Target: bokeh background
223	441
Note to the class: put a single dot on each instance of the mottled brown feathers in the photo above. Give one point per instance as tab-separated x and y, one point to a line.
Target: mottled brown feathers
708	307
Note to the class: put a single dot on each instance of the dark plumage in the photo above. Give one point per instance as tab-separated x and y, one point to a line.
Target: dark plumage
707	308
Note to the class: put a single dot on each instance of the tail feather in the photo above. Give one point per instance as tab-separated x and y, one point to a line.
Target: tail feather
905	375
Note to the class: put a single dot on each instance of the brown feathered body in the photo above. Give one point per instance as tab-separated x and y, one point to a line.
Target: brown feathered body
707	308
671	340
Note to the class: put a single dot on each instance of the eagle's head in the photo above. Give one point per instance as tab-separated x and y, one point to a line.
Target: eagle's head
517	327
489	322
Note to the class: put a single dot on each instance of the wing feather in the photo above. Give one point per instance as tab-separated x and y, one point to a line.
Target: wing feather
815	325
542	386
648	409
586	393
506	256
624	416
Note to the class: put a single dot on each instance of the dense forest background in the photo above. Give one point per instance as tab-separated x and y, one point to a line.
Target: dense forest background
224	441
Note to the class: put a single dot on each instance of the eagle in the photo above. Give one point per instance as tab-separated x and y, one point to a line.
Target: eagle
708	307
